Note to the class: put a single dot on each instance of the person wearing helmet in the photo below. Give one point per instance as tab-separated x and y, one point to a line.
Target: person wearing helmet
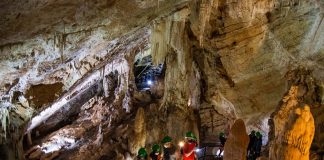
188	150
222	139
251	146
258	144
169	150
142	154
156	152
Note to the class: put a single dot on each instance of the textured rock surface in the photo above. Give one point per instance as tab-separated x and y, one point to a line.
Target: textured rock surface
139	132
237	142
223	60
284	121
249	47
295	139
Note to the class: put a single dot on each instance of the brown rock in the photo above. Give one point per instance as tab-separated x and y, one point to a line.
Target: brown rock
36	154
50	156
262	158
31	150
237	142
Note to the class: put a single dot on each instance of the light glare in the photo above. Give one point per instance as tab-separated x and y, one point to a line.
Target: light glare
149	82
181	144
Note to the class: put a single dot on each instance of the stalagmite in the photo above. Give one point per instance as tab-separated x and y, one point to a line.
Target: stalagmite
294	129
237	142
297	137
139	138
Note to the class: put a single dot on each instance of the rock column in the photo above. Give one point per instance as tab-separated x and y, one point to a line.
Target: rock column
237	142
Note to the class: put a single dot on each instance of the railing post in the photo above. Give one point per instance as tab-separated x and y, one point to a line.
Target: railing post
205	152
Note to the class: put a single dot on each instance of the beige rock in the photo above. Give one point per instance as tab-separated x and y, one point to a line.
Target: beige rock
237	142
262	158
139	138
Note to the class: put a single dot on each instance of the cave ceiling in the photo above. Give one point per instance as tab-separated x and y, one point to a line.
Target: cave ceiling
225	59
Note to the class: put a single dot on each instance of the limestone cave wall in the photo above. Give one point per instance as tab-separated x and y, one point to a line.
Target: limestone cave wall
68	86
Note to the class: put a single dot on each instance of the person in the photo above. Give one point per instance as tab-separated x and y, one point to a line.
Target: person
258	144
250	149
142	154
222	139
169	150
188	150
156	152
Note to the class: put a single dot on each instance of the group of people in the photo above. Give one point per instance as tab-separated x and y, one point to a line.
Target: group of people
254	147
169	151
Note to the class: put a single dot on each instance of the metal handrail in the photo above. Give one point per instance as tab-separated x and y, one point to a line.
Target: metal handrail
204	149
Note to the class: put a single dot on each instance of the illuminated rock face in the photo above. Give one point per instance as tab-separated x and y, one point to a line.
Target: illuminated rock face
237	142
299	138
294	129
295	142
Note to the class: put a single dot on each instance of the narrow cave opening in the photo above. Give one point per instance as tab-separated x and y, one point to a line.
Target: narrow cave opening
146	73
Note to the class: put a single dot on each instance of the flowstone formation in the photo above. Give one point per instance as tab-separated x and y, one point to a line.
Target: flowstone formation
237	142
292	125
299	138
295	141
294	129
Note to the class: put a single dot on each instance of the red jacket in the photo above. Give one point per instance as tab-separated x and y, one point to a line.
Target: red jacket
189	148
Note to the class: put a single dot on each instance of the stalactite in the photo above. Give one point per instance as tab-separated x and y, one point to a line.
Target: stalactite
165	35
160	40
5	119
62	48
204	14
59	43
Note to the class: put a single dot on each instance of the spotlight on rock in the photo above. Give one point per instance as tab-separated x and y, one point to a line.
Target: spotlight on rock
149	82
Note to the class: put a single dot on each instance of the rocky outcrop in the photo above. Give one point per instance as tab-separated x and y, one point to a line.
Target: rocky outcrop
249	46
294	141
237	142
293	125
